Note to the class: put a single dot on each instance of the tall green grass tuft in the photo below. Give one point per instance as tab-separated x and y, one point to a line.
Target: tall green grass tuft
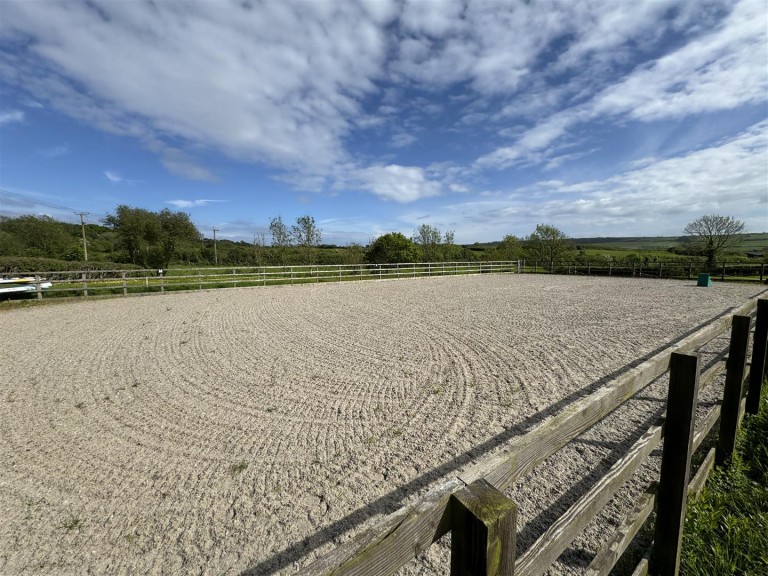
726	528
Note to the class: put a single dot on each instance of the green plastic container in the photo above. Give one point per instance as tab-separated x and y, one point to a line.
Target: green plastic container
705	280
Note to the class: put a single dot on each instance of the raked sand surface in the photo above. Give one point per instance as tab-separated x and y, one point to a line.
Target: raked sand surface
251	429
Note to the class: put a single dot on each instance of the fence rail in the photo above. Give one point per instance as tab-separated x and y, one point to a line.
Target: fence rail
473	507
124	282
746	271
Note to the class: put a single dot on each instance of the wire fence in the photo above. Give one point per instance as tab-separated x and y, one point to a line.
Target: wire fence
735	271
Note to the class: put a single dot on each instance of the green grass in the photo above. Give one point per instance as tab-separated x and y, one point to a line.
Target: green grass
746	243
616	253
73	522
726	527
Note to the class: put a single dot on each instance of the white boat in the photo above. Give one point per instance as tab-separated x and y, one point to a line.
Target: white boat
24	284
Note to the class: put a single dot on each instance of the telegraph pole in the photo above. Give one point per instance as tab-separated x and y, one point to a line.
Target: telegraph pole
215	253
82	225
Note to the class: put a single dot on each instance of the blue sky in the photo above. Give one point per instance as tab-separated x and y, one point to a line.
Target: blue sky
601	117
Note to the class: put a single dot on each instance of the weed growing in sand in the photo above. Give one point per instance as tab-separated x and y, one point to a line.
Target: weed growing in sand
270	409
73	522
437	390
239	467
80	405
370	440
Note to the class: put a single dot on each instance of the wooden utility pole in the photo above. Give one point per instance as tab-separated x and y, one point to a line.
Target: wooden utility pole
215	253
82	226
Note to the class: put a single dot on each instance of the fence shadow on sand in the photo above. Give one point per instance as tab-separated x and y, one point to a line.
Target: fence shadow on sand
396	498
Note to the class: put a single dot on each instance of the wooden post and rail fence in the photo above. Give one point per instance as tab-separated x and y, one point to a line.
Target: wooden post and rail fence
482	520
124	282
679	269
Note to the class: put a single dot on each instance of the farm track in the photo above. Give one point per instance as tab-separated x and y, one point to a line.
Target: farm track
217	432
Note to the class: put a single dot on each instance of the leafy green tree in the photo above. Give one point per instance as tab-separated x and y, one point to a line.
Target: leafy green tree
151	239
40	236
281	240
10	244
712	235
508	249
391	248
449	249
306	235
548	244
176	232
354	254
428	239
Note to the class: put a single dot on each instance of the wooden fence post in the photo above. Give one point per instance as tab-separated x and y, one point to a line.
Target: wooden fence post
722	274
234	279
84	277
483	524
675	463
199	280
291	275
759	368
162	282
125	285
38	287
762	272
660	267
734	380
690	268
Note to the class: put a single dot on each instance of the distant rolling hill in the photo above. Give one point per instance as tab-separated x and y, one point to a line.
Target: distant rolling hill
747	242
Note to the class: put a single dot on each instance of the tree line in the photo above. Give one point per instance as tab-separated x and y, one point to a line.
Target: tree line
150	239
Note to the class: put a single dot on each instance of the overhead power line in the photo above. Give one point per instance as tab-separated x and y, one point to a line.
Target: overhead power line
32	200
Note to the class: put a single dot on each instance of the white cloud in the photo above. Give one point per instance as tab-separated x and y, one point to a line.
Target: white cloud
399	183
11	116
656	196
287	84
276	84
113	177
191	203
177	162
116	178
721	70
401	140
718	71
55	151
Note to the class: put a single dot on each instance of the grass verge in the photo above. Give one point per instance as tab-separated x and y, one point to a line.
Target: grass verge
726	528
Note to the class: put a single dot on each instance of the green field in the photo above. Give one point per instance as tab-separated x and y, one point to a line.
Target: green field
747	243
